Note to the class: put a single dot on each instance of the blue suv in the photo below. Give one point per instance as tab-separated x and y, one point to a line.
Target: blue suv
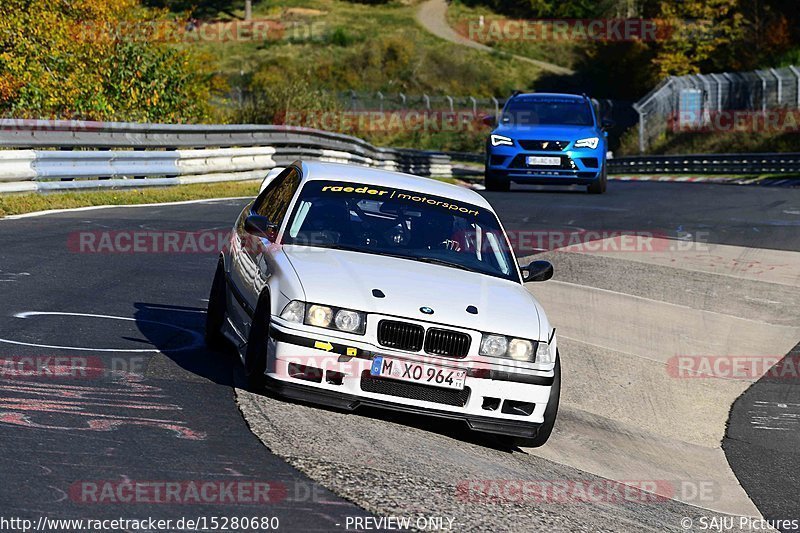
547	139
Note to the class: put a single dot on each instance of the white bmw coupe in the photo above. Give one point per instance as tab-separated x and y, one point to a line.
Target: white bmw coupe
348	286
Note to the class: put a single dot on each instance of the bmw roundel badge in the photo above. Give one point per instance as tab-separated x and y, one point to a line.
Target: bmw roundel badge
426	310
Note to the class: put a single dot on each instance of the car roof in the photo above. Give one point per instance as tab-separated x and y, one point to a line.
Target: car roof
547	96
318	170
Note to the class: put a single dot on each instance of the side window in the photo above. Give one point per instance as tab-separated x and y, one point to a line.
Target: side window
274	201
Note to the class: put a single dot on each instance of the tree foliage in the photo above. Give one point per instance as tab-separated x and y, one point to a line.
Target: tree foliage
697	30
694	36
98	60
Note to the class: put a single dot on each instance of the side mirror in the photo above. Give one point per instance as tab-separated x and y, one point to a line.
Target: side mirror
259	226
537	271
488	120
271	175
607	123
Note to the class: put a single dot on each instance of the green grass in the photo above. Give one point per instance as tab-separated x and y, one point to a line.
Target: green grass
563	53
710	143
15	204
343	51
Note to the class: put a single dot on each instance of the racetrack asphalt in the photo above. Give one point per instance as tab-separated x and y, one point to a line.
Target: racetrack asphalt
171	414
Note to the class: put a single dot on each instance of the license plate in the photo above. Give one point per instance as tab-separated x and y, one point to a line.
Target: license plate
533	160
418	373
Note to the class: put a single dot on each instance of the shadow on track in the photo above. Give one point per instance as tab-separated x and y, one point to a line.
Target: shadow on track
188	324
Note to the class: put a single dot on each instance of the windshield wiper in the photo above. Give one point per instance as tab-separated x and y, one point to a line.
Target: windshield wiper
347	248
443	262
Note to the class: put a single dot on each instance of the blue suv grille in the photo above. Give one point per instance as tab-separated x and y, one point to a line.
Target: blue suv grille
544	146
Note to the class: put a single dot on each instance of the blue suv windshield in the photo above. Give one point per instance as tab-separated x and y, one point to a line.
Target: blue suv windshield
547	112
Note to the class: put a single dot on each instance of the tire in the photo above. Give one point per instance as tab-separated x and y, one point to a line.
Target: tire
255	359
550	414
599	186
496	184
217	307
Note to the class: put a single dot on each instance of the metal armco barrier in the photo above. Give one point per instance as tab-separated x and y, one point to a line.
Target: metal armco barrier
778	163
787	163
98	154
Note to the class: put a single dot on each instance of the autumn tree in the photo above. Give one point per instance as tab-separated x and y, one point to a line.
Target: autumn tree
697	31
98	60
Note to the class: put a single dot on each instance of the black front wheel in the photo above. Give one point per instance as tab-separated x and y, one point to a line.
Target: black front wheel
550	414
255	359
599	186
217	307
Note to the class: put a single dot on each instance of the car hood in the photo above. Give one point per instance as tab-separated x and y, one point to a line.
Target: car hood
346	279
555	133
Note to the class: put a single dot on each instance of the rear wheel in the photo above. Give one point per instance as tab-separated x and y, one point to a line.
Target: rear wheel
217	307
492	182
599	186
550	414
255	359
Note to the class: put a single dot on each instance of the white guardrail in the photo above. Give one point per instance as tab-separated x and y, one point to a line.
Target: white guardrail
62	155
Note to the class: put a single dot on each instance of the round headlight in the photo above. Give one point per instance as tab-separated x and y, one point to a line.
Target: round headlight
520	350
346	320
319	315
494	345
293	312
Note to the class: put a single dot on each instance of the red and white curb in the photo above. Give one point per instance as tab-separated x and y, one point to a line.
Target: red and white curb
727	179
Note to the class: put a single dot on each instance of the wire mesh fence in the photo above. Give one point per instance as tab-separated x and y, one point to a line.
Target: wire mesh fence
621	112
701	100
378	101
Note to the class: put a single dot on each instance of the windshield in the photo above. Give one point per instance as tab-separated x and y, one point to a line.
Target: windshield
552	112
407	224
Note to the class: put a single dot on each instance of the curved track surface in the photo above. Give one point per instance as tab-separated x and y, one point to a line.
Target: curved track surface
155	405
432	15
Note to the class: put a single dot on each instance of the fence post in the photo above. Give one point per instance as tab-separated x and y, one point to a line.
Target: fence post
704	112
380	97
719	92
763	92
427	101
641	128
474	105
450	99
796	72
780	85
497	106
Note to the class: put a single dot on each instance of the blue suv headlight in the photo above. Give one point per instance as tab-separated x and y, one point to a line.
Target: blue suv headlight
501	140
589	142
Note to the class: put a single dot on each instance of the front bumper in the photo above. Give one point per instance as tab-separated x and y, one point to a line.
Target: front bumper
317	369
578	167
